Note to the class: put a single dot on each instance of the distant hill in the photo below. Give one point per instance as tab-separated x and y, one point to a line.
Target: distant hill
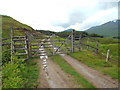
8	21
109	29
68	30
46	32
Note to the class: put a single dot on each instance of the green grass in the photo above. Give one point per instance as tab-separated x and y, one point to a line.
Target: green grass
113	50
97	62
6	24
32	73
78	79
107	40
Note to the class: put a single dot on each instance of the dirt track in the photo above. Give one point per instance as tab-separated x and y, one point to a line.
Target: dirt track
56	78
96	78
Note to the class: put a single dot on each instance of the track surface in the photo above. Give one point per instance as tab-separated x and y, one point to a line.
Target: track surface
56	78
96	78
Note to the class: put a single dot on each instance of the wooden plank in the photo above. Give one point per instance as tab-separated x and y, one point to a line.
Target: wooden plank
6	43
35	48
21	54
65	46
20	49
20	39
35	51
47	44
34	45
67	43
19	44
47	47
36	41
6	39
76	38
47	41
38	55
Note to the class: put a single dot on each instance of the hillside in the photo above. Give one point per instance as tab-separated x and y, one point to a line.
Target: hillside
109	29
8	21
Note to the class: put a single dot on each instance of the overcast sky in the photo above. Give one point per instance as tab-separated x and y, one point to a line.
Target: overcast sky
59	15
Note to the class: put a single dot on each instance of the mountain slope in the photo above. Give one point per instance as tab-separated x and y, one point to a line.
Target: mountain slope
8	21
109	29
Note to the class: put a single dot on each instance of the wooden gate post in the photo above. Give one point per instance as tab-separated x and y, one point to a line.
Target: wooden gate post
53	44
11	30
72	40
27	45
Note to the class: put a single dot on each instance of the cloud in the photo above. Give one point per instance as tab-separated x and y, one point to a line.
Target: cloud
98	18
99	13
58	15
52	28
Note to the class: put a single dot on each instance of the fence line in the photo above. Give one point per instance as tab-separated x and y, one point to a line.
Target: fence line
32	43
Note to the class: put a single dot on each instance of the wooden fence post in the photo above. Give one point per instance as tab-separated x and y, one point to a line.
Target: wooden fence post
79	42
96	47
88	43
108	56
72	41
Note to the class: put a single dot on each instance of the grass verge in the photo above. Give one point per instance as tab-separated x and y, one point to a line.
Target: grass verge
97	62
32	73
71	71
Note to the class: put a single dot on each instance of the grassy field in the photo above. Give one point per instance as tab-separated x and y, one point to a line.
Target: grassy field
97	62
103	45
78	79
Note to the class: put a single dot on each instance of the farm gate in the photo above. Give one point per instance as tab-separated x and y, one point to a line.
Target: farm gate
26	43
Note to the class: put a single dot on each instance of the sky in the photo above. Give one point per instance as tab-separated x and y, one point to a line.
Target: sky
59	15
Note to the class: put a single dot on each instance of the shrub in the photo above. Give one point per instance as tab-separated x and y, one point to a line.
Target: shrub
12	74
